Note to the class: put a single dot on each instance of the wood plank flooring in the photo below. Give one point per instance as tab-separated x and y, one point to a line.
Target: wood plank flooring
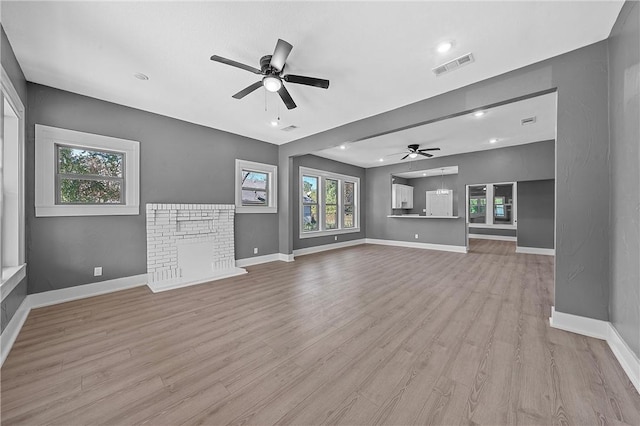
365	335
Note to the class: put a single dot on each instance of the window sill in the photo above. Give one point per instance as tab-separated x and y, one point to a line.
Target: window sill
314	234
250	209
11	277
76	210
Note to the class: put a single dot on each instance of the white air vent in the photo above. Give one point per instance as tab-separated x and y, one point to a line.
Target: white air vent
289	129
452	65
529	120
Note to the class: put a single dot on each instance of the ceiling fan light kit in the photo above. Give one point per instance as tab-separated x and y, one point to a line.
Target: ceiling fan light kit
272	68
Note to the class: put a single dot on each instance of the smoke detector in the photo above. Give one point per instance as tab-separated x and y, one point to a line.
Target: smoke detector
452	65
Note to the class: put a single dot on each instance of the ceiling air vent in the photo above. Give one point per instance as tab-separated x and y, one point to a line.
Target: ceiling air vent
289	128
529	120
452	65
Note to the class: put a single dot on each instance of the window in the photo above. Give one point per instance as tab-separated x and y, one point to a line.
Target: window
12	252
498	199
256	187
83	174
310	204
329	203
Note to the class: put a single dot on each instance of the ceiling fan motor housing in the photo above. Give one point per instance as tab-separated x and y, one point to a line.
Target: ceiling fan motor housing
265	66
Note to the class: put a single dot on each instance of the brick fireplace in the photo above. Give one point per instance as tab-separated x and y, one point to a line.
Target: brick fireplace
189	244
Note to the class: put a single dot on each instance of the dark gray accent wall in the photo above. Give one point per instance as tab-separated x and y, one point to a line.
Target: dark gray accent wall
180	162
581	80
624	157
523	162
10	64
536	206
12	302
319	163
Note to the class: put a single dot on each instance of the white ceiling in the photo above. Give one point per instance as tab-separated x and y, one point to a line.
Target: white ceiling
440	171
378	55
464	133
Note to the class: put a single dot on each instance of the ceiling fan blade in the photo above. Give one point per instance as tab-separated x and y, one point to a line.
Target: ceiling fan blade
429	149
309	81
280	54
244	92
233	63
404	157
426	155
286	97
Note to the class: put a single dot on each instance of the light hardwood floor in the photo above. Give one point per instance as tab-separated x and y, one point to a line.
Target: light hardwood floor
363	335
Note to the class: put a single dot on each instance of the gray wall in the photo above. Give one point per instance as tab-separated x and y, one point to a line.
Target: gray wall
11	303
581	80
315	162
536	208
624	156
179	162
524	162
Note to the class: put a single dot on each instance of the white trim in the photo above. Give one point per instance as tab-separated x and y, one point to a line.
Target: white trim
286	257
53	297
536	250
165	285
45	165
603	330
14	274
10	94
257	260
322	176
411	244
626	357
493	237
327	247
272	190
11	331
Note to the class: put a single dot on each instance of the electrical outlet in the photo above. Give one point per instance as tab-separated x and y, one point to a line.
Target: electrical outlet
416	236
255	250
424	210
97	271
335	238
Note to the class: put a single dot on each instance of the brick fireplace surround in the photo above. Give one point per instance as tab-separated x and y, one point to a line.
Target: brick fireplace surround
189	244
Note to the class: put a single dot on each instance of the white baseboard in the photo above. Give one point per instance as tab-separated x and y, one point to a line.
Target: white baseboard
603	330
54	297
257	260
426	246
492	237
536	250
325	247
11	331
165	285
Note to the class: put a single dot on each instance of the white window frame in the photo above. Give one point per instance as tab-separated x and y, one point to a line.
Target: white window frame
272	190
322	177
489	207
47	138
12	272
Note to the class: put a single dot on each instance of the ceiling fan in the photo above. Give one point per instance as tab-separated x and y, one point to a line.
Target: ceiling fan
414	151
271	68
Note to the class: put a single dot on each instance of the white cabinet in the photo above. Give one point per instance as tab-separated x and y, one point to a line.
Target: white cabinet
401	196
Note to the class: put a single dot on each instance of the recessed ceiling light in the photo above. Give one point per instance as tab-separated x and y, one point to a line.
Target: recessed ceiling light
343	146
274	123
141	76
381	160
494	140
444	47
478	113
424	174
